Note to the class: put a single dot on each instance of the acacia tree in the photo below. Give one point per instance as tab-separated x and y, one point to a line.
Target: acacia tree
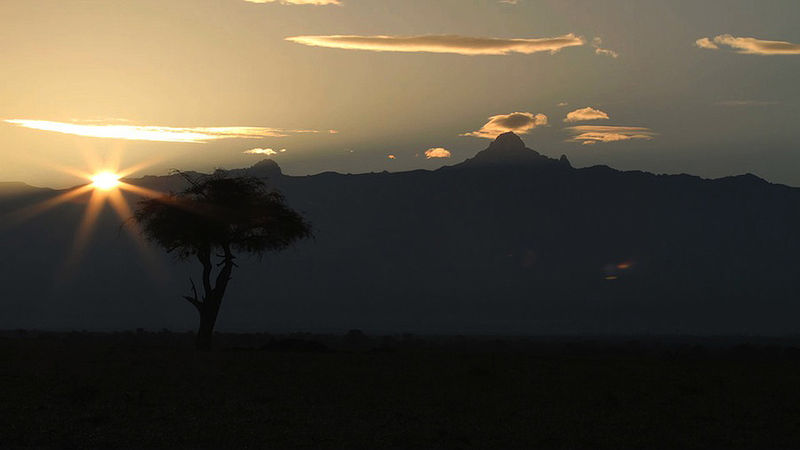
215	218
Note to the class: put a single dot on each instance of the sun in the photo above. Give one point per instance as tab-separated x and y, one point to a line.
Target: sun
105	185
105	180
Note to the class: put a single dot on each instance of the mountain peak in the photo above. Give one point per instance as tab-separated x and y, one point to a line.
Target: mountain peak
507	141
508	148
266	164
266	168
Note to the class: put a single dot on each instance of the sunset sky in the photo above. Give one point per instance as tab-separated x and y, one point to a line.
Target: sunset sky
708	88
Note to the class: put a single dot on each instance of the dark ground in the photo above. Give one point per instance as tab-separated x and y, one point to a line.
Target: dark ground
151	390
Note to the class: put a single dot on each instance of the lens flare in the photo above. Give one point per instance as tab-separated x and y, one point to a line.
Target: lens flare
105	181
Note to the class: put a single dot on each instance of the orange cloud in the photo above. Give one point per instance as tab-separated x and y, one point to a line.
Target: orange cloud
584	114
594	134
597	42
606	52
437	152
749	45
263	151
298	2
518	122
461	45
155	133
706	43
392	157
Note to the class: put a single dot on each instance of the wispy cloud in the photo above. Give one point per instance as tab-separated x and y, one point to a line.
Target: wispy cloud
749	45
594	134
518	122
597	42
584	114
155	133
462	45
263	151
298	2
437	152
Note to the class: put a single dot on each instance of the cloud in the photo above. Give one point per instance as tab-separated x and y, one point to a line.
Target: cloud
391	157
596	43
706	43
594	134
462	45
733	103
298	2
156	133
437	152
263	151
584	114
749	45
606	52
518	122
562	104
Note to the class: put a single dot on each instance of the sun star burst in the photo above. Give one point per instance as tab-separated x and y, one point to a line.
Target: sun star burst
104	185
105	180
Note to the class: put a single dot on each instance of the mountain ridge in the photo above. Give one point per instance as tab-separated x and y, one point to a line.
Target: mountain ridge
507	150
526	247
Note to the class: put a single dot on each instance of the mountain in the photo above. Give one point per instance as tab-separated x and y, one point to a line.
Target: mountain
508	149
11	188
509	241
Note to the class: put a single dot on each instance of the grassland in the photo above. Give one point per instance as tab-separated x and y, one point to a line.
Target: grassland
151	390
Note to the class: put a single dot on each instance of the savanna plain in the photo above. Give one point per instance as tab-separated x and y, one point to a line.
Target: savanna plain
356	391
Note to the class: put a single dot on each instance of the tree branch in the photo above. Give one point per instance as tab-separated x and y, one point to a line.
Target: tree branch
194	290
194	300
225	274
205	259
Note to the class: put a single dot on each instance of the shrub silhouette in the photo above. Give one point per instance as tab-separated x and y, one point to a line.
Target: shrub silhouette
216	217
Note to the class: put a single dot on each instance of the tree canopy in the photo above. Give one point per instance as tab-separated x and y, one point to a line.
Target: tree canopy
223	214
235	213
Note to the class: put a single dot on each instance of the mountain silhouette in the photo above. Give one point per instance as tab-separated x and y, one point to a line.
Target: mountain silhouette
507	149
509	241
12	188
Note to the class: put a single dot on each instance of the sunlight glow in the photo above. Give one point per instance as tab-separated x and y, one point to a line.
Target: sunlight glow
105	181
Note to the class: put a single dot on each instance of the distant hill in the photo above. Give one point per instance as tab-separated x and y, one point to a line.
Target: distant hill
12	188
509	241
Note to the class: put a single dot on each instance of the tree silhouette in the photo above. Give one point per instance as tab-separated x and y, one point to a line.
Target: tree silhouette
216	217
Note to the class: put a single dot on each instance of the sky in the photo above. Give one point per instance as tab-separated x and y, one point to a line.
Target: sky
707	88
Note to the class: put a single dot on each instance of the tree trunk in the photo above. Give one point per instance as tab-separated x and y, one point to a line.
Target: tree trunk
209	307
205	333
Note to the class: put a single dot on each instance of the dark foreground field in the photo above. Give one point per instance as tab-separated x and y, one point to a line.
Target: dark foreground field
151	390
